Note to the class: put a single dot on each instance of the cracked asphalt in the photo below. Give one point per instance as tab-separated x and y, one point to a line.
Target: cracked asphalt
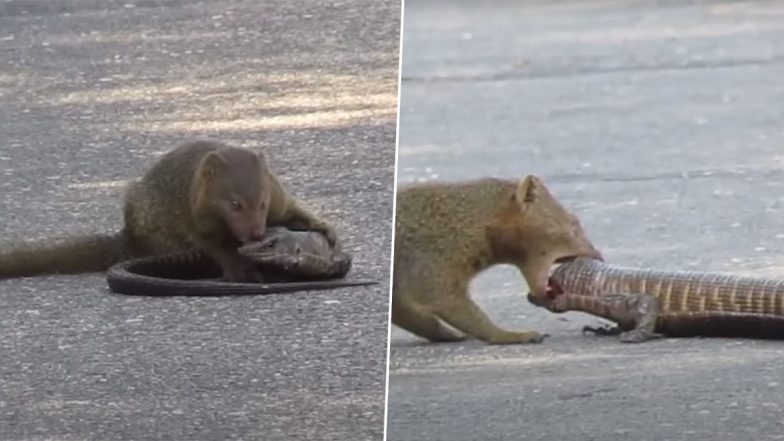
91	92
660	124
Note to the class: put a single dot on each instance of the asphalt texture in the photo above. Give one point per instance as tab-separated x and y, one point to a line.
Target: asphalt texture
659	123
91	93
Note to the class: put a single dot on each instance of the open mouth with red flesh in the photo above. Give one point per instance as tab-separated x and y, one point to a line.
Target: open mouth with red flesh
553	288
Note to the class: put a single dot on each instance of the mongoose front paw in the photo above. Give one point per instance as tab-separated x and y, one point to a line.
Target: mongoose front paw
516	337
531	337
329	233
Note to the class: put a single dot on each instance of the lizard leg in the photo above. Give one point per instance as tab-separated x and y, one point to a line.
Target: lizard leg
636	316
644	309
618	304
557	306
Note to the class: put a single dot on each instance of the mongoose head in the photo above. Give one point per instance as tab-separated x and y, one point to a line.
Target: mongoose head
535	232
234	188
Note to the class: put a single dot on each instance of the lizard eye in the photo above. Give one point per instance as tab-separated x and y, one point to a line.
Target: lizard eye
236	205
270	243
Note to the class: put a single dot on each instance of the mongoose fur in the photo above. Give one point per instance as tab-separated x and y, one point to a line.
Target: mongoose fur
202	194
446	233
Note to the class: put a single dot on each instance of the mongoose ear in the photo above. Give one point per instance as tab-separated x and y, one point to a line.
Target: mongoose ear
527	190
210	164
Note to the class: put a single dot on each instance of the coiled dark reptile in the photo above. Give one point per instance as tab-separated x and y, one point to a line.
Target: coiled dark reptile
290	260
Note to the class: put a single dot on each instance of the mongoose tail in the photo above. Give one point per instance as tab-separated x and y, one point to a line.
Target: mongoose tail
71	256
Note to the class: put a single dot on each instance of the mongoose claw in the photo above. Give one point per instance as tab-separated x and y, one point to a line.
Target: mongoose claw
329	233
532	337
516	337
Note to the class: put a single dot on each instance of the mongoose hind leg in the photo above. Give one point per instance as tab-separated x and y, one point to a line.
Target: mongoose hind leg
417	320
466	316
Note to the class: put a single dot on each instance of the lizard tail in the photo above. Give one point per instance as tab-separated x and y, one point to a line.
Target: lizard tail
77	255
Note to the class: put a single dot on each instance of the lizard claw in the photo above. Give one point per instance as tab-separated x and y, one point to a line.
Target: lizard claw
602	330
639	336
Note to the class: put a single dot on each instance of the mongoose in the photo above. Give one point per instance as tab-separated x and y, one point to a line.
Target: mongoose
202	194
446	233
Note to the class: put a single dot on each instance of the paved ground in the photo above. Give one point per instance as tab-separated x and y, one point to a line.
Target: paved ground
91	91
659	123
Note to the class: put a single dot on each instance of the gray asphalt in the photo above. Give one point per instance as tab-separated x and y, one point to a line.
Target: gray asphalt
659	124
91	92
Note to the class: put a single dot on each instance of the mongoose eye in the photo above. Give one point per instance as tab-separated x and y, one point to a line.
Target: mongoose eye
236	205
263	205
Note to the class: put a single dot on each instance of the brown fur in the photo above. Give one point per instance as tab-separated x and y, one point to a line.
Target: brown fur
202	194
447	233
